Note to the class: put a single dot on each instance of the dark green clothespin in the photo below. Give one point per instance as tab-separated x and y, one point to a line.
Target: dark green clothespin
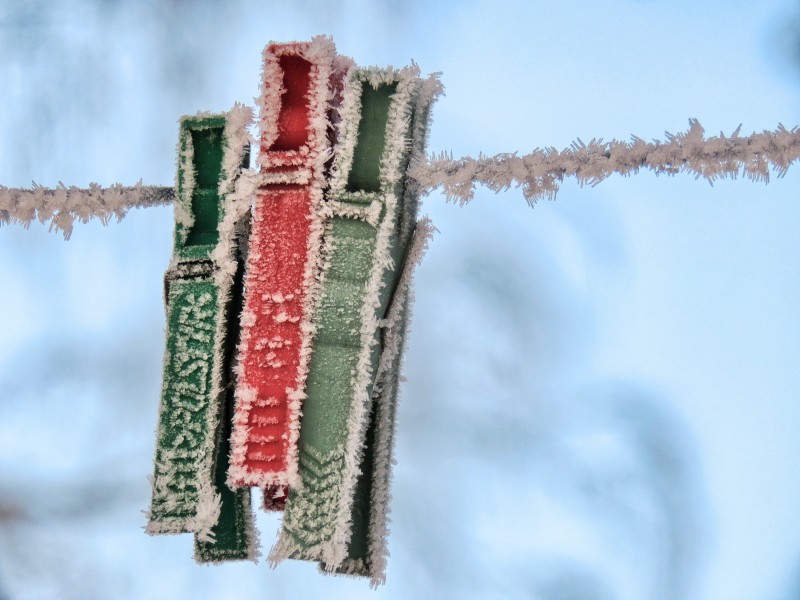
203	291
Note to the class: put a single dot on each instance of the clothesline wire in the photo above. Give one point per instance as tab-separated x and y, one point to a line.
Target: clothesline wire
539	173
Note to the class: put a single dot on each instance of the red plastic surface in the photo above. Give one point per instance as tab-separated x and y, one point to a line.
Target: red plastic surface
274	293
293	119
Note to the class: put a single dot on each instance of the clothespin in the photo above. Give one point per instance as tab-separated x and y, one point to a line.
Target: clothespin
299	92
368	223
203	297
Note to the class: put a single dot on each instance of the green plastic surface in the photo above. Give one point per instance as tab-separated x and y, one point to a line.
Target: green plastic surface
186	402
233	532
365	173
205	137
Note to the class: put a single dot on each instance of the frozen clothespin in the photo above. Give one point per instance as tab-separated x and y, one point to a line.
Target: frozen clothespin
301	85
369	220
203	289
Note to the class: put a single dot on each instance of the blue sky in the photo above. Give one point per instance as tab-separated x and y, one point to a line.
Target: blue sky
602	390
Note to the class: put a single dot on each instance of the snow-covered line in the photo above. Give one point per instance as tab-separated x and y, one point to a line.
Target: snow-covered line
61	206
541	172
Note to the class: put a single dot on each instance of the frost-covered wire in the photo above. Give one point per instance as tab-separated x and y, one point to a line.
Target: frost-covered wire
61	206
541	172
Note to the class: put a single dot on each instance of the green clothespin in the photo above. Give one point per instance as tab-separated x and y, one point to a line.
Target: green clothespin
203	291
369	222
